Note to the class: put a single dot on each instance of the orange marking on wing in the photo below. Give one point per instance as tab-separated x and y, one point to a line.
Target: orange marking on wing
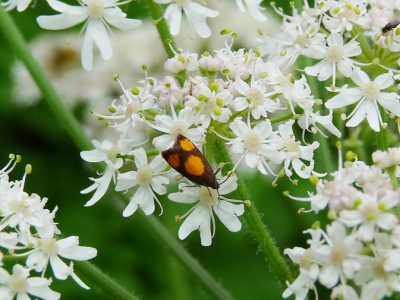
174	160
186	145
194	165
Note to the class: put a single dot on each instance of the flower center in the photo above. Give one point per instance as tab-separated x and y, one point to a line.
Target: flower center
178	127
208	196
49	246
18	284
144	175
95	9
252	141
19	207
292	146
255	97
370	90
112	153
379	269
334	54
370	212
338	254
134	107
302	40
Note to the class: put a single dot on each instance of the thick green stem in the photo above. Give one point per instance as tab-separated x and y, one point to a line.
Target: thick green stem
162	27
256	226
18	45
103	282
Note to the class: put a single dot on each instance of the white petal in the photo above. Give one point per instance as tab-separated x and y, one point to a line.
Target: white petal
329	276
62	21
335	39
344	98
227	212
384	80
196	15
60	269
200	218
360	77
116	18
98	33
173	14
390	101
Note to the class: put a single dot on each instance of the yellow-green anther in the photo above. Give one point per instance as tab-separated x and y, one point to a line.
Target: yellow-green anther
217	111
225	31
214	87
28	169
135	91
112	109
263	75
336	10
219	102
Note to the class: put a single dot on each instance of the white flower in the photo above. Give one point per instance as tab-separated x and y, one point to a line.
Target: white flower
309	271
368	95
20	4
201	216
371	213
336	255
107	152
385	159
257	145
195	13
295	153
48	249
99	14
19	285
174	125
335	55
254	8
147	180
254	97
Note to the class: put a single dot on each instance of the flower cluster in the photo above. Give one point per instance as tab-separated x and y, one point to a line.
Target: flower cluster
358	255
331	33
240	89
28	231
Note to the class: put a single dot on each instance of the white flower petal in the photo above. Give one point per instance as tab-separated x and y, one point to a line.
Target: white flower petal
116	18
227	212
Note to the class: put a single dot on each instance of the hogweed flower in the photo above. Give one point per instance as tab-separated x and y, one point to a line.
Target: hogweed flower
98	14
28	231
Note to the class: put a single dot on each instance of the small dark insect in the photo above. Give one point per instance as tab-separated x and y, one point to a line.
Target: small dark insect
185	158
389	26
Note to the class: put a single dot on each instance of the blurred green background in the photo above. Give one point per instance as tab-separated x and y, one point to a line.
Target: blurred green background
127	251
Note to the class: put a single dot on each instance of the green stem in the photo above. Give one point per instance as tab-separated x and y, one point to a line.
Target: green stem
257	227
20	48
103	282
162	27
